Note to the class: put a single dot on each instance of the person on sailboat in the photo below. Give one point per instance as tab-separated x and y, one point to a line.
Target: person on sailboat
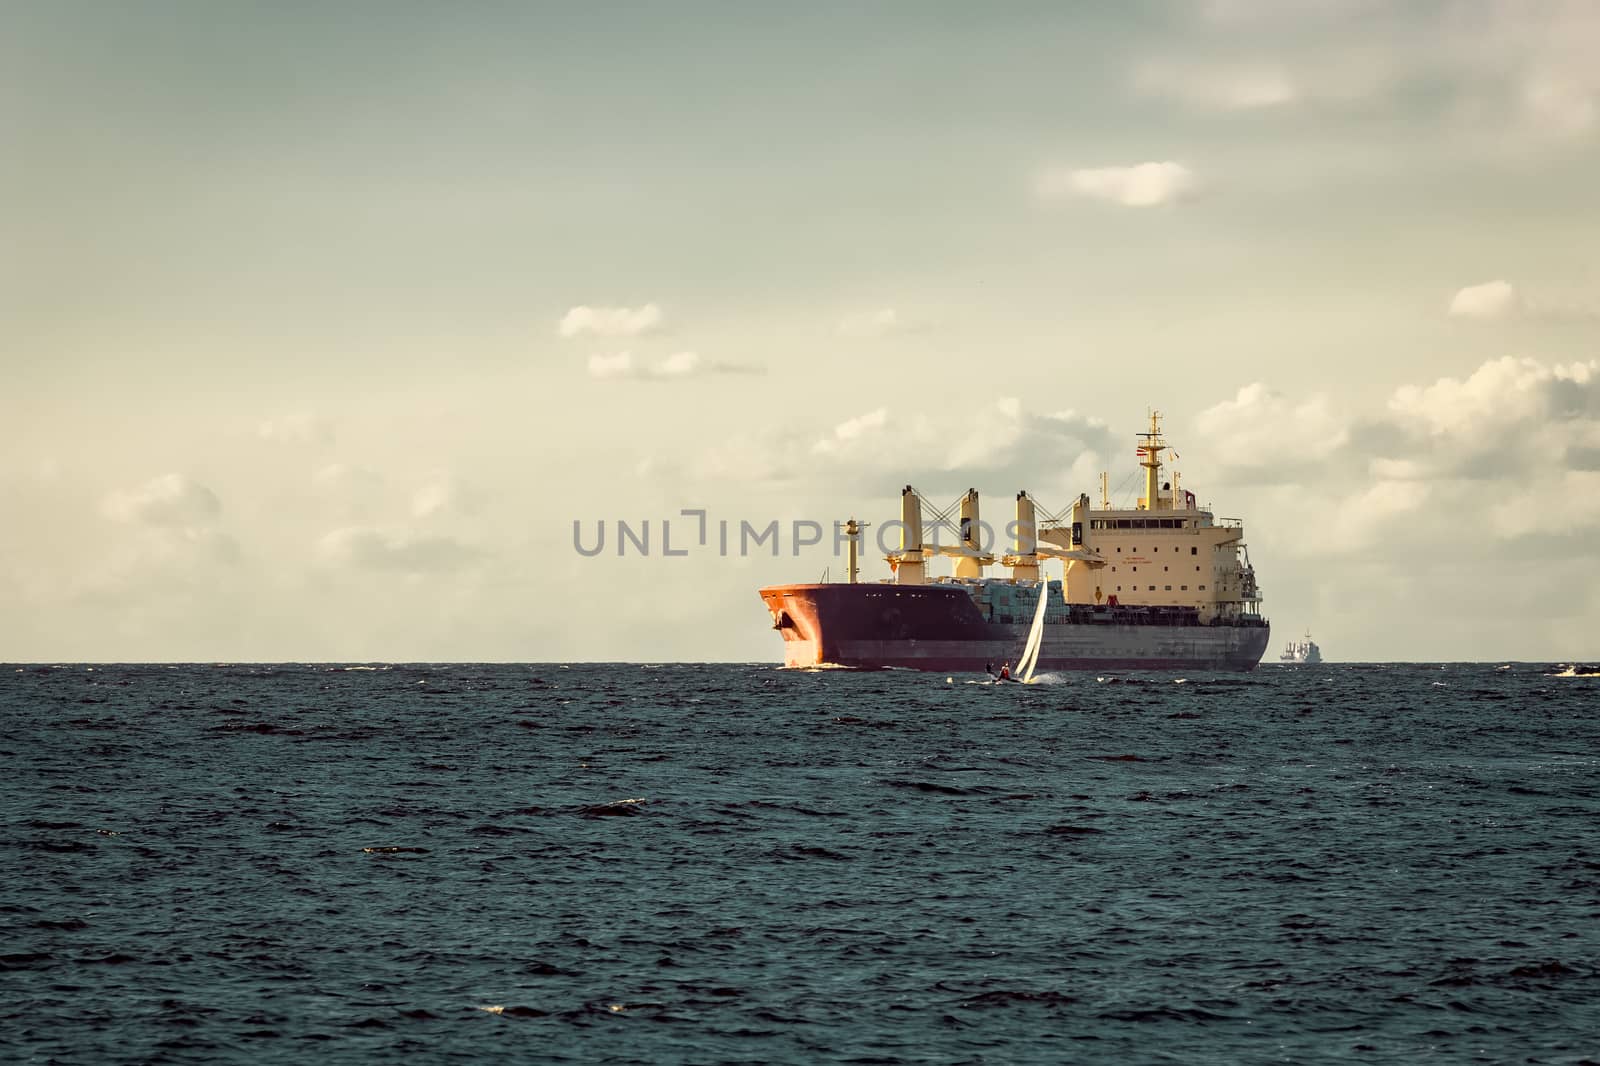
1005	672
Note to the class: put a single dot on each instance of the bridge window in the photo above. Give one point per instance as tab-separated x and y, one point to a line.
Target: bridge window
1194	551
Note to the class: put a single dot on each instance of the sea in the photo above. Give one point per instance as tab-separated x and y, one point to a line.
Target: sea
625	863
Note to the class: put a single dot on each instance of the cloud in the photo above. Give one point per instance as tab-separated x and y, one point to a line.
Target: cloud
610	321
1492	299
852	430
301	427
1496	300
1141	185
170	544
1501	393
1251	430
1509	75
677	366
395	550
680	364
1444	473
168	500
999	447
146	568
1007	443
1508	418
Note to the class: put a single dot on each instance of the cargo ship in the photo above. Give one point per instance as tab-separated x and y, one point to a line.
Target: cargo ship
1303	652
1163	585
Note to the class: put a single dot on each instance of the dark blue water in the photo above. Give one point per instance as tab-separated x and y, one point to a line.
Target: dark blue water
744	864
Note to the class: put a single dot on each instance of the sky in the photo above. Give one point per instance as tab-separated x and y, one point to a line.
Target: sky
321	325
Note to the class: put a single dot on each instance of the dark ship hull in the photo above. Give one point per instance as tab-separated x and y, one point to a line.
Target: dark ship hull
944	627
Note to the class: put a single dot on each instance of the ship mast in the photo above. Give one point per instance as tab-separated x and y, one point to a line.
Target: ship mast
1151	445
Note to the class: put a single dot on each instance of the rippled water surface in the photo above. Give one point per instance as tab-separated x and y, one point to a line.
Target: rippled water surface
745	864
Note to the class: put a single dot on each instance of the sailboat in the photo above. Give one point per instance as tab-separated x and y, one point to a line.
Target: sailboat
1030	650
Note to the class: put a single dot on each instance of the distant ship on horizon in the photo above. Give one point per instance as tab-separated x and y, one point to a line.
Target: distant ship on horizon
1305	651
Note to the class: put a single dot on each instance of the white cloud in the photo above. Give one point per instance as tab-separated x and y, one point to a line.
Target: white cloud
851	430
1508	419
610	321
1141	185
1508	442
1492	299
1503	392
391	549
1263	431
300	427
173	546
999	447
1007	443
1507	75
145	569
168	500
678	366
1501	300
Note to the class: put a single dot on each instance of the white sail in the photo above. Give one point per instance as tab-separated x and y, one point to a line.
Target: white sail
1030	651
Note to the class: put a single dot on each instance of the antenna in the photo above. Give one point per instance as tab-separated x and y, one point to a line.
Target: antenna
1150	448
